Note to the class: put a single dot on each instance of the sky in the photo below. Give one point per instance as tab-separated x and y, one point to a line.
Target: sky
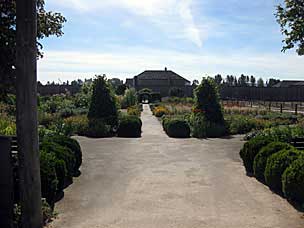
194	38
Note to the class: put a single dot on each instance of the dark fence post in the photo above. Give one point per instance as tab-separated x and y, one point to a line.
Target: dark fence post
296	109
6	184
281	108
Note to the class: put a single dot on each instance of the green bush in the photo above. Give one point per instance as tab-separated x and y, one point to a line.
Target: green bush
48	175
260	159
207	101
276	165
61	173
239	124
103	103
177	128
129	99
73	145
134	110
293	181
251	149
129	126
202	129
97	128
61	153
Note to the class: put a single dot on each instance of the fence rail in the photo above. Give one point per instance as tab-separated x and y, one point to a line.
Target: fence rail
292	94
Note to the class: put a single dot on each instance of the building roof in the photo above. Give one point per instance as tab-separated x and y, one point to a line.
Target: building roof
160	75
287	83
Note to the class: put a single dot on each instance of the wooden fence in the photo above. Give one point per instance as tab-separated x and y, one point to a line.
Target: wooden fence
293	94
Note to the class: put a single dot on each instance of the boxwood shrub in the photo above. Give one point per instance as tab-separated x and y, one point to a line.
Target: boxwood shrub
177	128
293	181
276	165
97	128
251	149
61	153
129	126
48	176
73	145
260	159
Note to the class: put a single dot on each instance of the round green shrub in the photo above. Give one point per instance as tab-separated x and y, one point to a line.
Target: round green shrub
260	159
72	144
293	181
129	126
48	176
97	128
176	128
276	165
251	149
61	173
61	153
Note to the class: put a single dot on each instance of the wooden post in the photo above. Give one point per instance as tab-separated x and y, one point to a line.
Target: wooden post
27	129
281	108
6	184
296	109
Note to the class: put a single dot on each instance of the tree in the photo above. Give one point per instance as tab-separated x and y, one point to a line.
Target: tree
272	82
242	81
195	82
260	82
218	79
49	23
252	81
120	90
103	103
291	18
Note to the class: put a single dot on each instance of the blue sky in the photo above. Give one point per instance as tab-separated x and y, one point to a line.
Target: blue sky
195	38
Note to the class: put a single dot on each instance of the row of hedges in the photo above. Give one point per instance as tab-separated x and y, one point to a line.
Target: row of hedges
277	164
60	160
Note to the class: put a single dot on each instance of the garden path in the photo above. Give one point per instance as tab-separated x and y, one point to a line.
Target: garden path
157	181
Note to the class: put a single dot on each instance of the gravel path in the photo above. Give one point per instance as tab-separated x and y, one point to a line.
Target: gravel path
160	182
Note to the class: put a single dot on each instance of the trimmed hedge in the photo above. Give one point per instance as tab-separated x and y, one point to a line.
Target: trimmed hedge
97	128
72	144
276	165
176	128
129	126
251	149
61	153
48	176
260	159
293	181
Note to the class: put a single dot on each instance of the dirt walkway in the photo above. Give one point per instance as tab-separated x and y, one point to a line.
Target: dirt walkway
159	182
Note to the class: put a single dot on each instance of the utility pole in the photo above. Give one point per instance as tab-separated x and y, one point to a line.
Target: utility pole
27	121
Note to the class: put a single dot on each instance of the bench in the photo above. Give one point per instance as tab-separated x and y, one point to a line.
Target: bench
298	143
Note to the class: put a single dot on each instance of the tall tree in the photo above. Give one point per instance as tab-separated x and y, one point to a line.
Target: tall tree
218	79
252	80
49	23
291	18
272	82
260	82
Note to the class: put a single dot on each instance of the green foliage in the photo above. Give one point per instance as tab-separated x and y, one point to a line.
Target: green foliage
201	128
77	124
293	181
61	153
160	111
176	92
48	175
276	165
97	129
49	24
134	110
129	99
70	143
155	97
239	124
260	159
290	17
129	126
103	103
251	149
176	128
207	101
120	90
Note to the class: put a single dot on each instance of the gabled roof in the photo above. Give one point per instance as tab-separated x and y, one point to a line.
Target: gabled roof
287	83
160	75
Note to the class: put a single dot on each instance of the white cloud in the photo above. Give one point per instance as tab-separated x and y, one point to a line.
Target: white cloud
173	17
73	65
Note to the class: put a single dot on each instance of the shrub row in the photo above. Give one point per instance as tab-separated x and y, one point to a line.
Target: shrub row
277	164
60	159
